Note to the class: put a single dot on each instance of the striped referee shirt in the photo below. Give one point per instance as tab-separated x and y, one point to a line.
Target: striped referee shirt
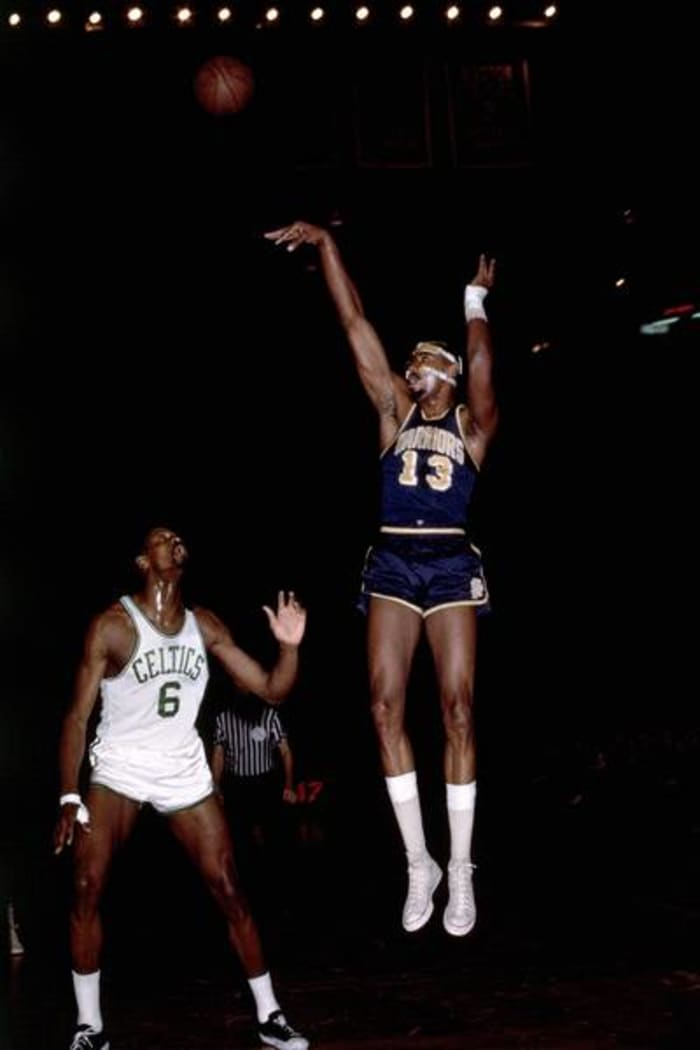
249	745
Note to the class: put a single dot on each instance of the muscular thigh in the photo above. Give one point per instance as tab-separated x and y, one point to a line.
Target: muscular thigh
112	819
203	831
451	634
393	630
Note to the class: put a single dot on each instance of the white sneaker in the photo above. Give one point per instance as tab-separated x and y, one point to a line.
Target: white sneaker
423	879
16	946
276	1032
460	913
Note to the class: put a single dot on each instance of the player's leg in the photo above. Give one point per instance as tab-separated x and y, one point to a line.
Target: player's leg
203	831
112	818
451	635
393	631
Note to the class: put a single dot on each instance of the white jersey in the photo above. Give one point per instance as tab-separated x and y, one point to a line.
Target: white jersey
154	700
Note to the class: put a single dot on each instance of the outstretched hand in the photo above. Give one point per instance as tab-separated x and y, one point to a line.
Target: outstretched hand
288	623
296	234
486	272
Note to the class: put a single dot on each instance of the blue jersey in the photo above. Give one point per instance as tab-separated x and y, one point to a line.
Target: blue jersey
427	476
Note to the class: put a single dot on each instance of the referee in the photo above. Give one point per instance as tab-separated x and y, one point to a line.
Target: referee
253	771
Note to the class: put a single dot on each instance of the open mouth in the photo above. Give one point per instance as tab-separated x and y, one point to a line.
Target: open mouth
416	379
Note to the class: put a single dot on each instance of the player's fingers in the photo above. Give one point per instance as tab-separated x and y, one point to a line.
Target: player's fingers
295	603
281	236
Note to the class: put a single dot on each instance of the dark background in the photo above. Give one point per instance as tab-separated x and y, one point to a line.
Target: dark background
162	363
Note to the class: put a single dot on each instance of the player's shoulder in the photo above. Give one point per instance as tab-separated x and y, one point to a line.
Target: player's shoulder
111	624
114	615
465	417
403	402
203	615
211	626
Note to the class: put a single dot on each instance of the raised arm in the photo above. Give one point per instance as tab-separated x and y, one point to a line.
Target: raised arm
287	624
385	389
481	399
90	673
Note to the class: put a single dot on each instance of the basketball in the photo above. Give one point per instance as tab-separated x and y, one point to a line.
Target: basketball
223	85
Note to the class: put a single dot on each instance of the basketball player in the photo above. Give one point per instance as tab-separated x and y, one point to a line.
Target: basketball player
422	572
147	656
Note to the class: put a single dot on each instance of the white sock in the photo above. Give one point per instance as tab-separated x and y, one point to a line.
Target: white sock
265	1002
461	799
403	792
87	995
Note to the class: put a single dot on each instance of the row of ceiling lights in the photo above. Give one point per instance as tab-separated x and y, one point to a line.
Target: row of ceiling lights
185	15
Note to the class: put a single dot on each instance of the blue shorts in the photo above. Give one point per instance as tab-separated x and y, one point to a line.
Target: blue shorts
426	574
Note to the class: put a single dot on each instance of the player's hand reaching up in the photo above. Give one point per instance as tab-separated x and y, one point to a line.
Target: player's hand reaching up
288	622
486	273
296	234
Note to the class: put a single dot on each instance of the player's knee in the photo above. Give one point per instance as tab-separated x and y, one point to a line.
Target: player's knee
222	879
386	715
88	884
231	898
457	713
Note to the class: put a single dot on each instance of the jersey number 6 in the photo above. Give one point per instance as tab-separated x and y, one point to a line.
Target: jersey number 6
168	704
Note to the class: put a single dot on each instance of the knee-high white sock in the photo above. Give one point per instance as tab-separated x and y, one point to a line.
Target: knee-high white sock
87	995
461	799
265	1002
403	792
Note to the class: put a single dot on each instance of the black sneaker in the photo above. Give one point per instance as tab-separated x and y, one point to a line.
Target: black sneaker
86	1038
276	1032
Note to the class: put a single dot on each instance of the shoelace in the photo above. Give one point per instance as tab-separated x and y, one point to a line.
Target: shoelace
279	1021
418	882
83	1040
459	880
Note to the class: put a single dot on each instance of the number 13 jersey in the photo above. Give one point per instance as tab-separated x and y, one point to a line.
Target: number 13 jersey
427	476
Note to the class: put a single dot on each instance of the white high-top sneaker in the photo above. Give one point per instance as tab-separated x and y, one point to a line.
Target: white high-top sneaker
423	879
16	946
460	913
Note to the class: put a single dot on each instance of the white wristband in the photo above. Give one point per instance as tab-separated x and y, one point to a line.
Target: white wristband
474	295
82	816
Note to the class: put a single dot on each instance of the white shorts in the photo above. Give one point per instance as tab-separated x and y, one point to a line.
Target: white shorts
168	780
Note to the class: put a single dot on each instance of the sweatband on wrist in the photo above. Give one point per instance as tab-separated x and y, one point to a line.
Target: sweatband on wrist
474	295
73	799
